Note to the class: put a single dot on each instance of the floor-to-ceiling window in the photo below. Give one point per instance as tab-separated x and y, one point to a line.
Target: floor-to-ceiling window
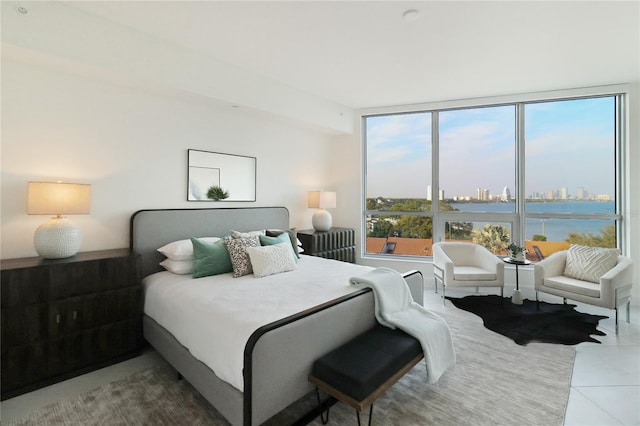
570	174
542	173
399	161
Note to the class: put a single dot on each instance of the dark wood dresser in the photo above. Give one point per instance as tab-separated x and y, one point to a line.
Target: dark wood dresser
65	317
336	243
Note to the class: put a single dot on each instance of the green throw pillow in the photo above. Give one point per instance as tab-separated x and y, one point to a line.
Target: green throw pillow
282	238
210	258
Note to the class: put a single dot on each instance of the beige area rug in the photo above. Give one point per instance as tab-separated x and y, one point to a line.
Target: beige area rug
494	382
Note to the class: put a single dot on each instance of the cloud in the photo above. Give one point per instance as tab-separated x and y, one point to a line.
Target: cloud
568	144
398	138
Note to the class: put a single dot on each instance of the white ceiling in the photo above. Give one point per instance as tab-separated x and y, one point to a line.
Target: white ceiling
364	54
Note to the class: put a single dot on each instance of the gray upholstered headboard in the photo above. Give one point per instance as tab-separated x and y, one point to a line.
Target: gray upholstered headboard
151	229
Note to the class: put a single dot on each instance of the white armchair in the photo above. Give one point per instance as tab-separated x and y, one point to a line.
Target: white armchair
612	290
460	264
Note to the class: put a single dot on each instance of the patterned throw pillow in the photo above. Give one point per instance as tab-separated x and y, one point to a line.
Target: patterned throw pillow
589	263
237	248
272	259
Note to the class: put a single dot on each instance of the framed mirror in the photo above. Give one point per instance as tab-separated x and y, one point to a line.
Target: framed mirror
213	174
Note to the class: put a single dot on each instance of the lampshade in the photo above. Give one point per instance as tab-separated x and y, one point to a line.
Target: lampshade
58	237
321	200
59	198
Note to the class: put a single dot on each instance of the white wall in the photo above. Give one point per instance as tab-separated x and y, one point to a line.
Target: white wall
131	146
349	185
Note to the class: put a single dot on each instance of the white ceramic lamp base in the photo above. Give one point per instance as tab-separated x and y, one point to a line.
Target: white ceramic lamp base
57	238
321	220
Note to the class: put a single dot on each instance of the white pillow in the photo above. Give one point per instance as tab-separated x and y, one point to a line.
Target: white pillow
238	234
269	260
182	249
180	267
589	263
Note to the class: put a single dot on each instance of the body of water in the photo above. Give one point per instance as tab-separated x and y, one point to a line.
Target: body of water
553	229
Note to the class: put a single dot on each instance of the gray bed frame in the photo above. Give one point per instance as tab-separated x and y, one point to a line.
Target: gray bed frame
278	356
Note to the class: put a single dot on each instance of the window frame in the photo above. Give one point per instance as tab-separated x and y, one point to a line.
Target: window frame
519	216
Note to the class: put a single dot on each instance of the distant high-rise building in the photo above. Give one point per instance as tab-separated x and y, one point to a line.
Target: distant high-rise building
430	197
564	194
506	194
582	193
482	194
550	196
537	195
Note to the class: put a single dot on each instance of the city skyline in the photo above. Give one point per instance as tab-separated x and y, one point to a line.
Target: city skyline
562	193
568	142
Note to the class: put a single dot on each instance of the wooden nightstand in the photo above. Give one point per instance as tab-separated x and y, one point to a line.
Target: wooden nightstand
65	317
336	243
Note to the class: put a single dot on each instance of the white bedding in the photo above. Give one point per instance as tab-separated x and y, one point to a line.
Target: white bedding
215	316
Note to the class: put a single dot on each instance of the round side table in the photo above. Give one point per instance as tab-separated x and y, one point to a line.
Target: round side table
517	295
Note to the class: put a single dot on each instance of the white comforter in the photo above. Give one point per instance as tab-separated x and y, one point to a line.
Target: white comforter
215	316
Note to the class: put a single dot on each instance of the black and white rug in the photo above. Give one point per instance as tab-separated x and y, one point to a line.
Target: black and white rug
532	322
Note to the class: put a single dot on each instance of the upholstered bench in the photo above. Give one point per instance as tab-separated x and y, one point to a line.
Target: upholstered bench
360	371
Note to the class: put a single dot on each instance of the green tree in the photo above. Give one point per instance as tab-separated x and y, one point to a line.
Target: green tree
381	229
446	207
539	237
412	205
414	227
494	237
607	238
458	230
409	226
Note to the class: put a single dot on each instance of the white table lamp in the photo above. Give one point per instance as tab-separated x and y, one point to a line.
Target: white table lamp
58	237
322	200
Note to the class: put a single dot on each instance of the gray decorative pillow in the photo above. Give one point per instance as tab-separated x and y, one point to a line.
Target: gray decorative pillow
238	234
589	263
237	248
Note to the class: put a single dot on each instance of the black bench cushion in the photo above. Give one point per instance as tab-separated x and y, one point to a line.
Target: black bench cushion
361	365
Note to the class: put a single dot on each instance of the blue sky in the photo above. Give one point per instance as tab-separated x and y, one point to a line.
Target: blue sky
568	144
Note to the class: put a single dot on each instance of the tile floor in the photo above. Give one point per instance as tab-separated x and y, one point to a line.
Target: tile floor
605	386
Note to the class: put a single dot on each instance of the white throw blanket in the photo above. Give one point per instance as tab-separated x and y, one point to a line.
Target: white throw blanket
394	307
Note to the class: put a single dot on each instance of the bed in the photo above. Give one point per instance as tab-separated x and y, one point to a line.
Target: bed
278	355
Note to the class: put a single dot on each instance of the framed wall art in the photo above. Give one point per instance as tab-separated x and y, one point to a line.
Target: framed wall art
214	176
